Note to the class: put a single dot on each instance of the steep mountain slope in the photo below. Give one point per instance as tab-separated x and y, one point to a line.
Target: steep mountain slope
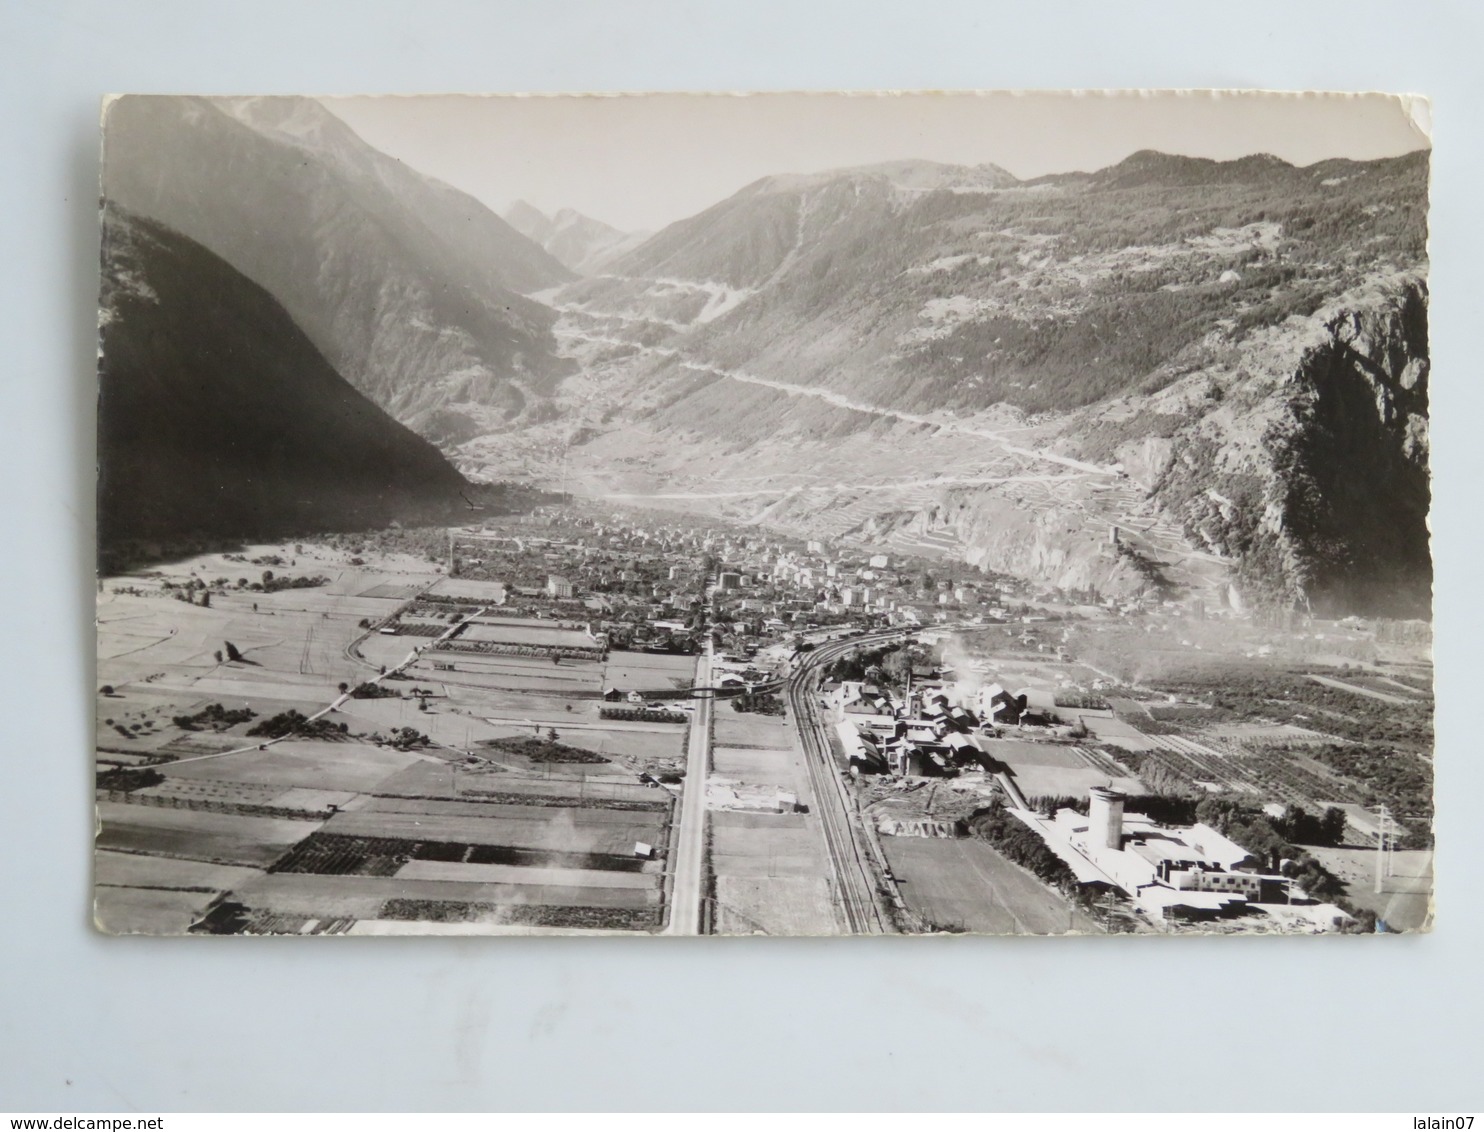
758	234
578	242
407	286
1068	378
1314	477
218	417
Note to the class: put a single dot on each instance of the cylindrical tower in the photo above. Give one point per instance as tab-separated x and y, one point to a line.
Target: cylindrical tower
1105	818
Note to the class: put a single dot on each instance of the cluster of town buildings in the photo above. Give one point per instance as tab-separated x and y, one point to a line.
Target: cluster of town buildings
929	729
663	584
655	582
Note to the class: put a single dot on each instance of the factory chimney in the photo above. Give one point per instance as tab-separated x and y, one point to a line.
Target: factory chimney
1105	818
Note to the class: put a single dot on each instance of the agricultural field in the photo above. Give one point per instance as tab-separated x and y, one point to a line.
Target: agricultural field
768	868
137	893
770	875
197	835
525	634
554	784
550	830
350	766
570	680
645	671
371	898
469	588
751	764
744	729
127	870
455	853
242	791
147	910
964	885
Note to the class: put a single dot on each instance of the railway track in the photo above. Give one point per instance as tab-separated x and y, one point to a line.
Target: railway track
855	880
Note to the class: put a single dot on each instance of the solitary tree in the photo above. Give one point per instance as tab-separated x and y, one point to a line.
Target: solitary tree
551	736
1332	826
218	655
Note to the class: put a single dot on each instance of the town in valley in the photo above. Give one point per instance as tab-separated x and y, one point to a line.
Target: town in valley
579	719
898	546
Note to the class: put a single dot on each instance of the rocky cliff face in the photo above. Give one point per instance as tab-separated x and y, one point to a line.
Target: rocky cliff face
408	287
1295	473
1316	479
1053	545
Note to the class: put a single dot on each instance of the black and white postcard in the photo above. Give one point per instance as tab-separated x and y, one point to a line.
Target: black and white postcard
782	514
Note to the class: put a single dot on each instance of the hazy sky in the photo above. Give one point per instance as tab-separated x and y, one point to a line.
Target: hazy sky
643	161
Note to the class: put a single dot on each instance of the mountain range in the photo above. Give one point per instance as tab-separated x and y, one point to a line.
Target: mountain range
1174	375
578	242
412	290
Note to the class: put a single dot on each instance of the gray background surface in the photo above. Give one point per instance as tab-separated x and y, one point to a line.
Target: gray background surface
90	1023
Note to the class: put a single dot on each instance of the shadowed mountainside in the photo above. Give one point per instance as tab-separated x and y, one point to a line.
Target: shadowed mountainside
410	288
218	417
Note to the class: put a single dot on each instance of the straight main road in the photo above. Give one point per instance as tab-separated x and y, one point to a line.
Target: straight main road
690	857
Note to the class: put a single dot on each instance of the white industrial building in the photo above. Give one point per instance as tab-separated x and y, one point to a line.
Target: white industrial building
1188	872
